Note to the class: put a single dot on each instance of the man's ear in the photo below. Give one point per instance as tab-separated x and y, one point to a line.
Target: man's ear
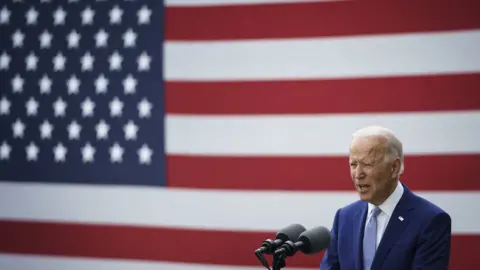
396	167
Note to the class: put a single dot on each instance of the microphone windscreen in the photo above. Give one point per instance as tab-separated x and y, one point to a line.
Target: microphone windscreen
315	240
291	232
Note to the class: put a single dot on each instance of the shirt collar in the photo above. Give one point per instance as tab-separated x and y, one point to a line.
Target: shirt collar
390	203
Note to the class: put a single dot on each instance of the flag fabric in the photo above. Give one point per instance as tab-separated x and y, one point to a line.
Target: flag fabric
181	134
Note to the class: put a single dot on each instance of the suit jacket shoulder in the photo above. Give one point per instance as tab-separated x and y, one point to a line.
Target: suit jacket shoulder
419	240
425	207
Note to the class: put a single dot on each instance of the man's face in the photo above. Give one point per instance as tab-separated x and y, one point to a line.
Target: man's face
373	177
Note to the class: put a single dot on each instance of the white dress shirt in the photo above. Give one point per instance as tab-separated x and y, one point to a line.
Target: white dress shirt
387	208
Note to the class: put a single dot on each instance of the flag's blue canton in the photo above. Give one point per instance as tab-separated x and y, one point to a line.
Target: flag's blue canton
82	92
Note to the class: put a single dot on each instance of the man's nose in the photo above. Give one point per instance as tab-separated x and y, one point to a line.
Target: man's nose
359	172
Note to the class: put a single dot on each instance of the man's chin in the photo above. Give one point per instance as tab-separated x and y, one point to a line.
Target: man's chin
365	196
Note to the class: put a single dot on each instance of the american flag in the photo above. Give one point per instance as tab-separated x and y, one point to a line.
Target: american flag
179	135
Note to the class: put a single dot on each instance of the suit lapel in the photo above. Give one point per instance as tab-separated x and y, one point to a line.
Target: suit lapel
396	226
358	229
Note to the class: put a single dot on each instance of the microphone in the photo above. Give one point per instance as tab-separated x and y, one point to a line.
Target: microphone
309	242
289	233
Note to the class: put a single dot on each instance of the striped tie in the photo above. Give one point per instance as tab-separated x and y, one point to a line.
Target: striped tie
370	240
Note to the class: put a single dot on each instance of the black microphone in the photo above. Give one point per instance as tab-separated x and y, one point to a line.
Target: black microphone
309	242
289	233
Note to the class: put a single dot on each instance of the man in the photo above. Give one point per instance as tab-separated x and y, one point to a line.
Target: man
390	227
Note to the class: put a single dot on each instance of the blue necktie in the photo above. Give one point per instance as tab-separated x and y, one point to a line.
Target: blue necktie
370	240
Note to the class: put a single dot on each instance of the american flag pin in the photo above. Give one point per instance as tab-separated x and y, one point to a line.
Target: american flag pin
401	218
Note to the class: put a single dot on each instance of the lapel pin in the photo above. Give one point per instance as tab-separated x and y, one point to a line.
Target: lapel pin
401	218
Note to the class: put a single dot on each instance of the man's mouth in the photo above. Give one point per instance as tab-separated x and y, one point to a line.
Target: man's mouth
363	188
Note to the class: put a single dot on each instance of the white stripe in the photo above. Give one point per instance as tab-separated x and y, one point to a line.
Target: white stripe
223	210
339	57
192	3
450	132
28	262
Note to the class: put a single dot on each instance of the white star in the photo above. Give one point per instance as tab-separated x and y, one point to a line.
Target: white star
18	128
87	61
32	107
115	15
144	108
59	151
32	152
45	39
130	130
59	107
17	84
74	130
59	62
4	15
129	84
73	84
144	15
145	154
101	38
46	130
87	15
45	85
102	129
4	61
115	61
31	16
129	38
4	106
87	107
59	16
31	61
88	153
73	39
116	107
116	153
143	62
5	150
101	84
17	38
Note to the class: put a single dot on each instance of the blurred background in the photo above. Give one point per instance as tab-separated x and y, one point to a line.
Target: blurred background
180	134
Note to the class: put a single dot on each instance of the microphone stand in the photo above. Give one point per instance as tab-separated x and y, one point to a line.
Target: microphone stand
278	261
262	259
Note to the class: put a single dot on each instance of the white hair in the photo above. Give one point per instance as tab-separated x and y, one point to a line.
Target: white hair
392	143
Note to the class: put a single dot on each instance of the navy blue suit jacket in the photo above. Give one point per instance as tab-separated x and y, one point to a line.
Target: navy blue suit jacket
420	241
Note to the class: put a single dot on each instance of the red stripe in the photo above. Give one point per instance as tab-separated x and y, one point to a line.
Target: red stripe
162	244
319	19
446	172
422	93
